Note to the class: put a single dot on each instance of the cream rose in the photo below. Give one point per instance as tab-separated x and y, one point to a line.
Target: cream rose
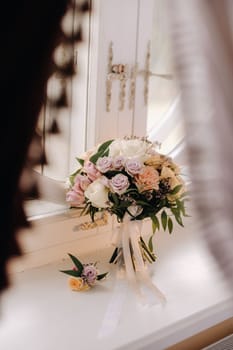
173	181
156	160
166	173
133	148
97	193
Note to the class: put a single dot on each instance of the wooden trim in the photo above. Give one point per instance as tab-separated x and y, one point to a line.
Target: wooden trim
206	337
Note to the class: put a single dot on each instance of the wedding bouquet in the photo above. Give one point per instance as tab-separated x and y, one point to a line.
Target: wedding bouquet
129	178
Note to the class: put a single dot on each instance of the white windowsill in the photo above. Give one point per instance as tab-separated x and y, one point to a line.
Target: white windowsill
40	312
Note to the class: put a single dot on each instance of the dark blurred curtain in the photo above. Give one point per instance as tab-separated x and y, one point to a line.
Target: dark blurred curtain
30	30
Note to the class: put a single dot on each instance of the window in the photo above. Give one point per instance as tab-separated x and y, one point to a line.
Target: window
140	106
116	32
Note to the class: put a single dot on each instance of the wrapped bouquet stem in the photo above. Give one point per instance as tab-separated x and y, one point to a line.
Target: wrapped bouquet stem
131	180
133	254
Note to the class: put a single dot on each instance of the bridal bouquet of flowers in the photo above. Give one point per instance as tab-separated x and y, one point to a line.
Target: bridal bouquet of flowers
130	179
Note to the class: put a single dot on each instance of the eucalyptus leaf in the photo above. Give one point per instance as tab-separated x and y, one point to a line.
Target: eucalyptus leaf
179	220
155	223
150	244
164	219
175	211
170	225
181	206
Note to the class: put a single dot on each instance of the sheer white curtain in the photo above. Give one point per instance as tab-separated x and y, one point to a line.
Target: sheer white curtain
203	50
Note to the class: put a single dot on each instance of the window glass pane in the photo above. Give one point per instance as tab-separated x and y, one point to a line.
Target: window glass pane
164	119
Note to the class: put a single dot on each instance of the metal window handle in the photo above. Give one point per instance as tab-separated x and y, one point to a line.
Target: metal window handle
122	73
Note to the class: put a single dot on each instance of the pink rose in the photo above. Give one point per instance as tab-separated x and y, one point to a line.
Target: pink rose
81	182
75	198
148	179
90	273
91	170
119	183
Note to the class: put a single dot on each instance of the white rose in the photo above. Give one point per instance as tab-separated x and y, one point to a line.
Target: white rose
115	148
133	148
97	193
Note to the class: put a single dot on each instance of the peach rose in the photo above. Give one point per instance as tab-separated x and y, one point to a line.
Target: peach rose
78	284
148	179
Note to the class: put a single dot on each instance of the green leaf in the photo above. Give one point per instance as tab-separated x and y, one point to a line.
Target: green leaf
85	210
73	273
150	243
164	219
93	211
180	206
184	194
114	198
101	276
102	151
179	220
176	189
155	223
72	176
176	213
104	146
95	157
77	263
114	255
147	250
170	225
143	204
80	160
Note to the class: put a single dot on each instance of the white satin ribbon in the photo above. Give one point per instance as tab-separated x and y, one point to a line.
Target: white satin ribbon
126	237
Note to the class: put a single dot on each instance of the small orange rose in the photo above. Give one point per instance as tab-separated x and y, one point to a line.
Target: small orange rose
78	284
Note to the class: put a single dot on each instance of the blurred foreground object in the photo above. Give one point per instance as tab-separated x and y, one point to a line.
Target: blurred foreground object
31	32
201	33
